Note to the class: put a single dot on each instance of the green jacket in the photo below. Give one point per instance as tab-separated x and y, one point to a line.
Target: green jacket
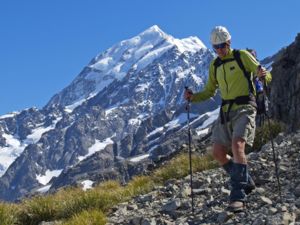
230	79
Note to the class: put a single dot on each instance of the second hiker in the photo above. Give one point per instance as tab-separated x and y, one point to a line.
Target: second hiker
232	73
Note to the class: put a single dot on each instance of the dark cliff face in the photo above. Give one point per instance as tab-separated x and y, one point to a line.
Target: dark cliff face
285	86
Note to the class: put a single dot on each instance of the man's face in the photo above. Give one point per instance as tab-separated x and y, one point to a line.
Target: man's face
221	49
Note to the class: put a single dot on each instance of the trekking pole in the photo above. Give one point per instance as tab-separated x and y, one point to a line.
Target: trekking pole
188	105
275	157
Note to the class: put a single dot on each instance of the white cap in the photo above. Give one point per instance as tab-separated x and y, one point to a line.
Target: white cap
219	35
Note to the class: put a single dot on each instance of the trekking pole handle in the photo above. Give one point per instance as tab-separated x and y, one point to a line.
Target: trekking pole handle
260	67
187	107
263	79
189	91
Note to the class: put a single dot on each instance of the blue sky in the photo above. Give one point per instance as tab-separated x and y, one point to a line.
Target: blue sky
45	44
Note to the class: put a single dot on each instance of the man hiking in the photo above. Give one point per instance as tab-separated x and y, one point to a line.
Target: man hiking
232	73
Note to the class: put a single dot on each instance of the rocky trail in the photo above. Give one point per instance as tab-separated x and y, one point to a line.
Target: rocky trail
171	204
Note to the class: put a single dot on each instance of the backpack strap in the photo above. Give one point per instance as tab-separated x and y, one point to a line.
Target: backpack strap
237	57
218	62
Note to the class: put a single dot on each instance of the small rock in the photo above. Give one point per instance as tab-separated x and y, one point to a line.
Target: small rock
172	188
145	198
186	205
266	200
283	168
201	191
297	191
171	205
197	184
259	221
225	191
185	192
284	209
136	220
272	210
262	159
148	221
167	222
260	190
253	156
132	207
208	180
224	216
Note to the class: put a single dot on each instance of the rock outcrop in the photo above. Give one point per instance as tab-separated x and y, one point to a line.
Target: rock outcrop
285	87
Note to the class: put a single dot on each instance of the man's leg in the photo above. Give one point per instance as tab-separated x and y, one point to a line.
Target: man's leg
239	178
237	193
238	150
219	152
239	156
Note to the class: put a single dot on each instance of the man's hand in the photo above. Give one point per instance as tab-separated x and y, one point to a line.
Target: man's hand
188	94
261	71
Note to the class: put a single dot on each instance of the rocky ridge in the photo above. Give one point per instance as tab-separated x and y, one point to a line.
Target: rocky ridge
171	204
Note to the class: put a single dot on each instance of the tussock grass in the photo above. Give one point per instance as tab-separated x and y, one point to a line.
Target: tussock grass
37	209
139	185
69	202
262	134
92	217
179	167
8	214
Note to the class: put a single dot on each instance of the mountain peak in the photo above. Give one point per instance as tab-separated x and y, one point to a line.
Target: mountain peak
153	33
153	28
135	54
190	44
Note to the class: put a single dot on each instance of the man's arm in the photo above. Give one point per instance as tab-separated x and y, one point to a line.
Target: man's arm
252	65
209	89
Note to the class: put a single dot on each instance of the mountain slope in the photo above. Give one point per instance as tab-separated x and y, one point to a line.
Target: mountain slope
171	203
126	103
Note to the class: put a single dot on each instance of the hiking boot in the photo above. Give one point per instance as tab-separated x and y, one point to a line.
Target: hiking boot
236	206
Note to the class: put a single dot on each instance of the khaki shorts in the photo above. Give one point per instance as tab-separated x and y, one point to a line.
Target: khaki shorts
241	124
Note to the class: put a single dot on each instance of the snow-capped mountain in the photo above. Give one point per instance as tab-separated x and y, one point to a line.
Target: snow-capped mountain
122	113
131	55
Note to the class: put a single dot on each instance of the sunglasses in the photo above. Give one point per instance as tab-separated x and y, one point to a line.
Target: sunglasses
218	46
